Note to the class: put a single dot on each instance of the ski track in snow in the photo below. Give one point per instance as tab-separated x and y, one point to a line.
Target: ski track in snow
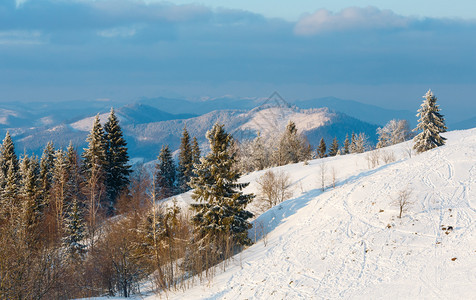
347	243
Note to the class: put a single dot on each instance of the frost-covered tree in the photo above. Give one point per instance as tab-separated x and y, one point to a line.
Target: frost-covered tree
361	143
75	180
353	143
58	188
394	132
292	147
334	149
185	162
116	167
195	151
93	171
46	172
220	210
8	159
346	149
321	150
165	174
431	124
95	154
10	178
74	231
30	194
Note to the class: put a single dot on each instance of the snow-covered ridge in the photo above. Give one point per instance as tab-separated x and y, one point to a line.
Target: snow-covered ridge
347	242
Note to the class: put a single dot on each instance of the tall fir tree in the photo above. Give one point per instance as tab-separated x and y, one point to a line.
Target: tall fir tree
95	155
74	182
431	124
58	188
117	168
33	208
46	172
321	150
10	178
9	159
346	149
334	149
353	143
185	163
221	203
74	232
195	152
292	147
165	174
94	160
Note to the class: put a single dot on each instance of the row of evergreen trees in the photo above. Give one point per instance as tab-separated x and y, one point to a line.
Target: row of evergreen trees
169	179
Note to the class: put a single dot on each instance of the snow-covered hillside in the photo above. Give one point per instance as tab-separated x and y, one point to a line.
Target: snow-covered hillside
347	242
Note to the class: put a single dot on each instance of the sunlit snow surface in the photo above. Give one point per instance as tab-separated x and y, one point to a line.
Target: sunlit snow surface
348	243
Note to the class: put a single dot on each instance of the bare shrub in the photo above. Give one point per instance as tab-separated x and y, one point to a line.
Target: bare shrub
322	175
388	156
273	188
403	201
373	158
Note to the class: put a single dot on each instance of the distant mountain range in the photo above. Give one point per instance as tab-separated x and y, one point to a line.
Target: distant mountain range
150	123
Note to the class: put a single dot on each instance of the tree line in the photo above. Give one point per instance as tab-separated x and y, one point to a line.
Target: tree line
88	225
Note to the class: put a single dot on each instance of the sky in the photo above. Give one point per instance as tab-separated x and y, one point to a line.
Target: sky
387	53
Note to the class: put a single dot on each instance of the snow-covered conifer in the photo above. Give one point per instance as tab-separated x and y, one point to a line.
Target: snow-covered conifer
46	172
117	168
74	231
165	174
185	163
431	124
334	149
346	149
321	150
9	158
195	151
221	208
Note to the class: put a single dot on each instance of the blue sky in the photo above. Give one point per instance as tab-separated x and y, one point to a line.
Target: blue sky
387	55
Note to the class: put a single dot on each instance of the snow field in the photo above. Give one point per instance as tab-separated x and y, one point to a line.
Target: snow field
348	243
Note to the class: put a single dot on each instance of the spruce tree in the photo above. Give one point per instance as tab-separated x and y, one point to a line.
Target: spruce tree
346	145
95	155
46	172
220	210
58	188
353	143
94	160
10	177
292	147
165	174
74	231
334	149
9	159
431	124
74	182
321	151
30	196
195	152
185	163
9	195
117	168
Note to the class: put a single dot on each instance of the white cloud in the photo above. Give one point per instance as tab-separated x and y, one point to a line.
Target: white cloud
123	32
349	19
19	3
21	37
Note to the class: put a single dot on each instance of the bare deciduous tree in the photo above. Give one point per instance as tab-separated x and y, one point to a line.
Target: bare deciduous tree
273	188
403	201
